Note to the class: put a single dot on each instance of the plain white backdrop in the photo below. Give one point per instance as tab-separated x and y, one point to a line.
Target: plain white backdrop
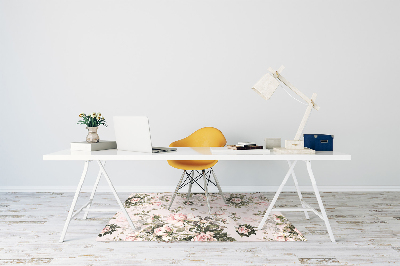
191	64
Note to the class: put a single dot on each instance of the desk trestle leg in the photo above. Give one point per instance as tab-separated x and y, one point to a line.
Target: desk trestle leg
93	192
271	205
306	207
321	205
86	207
71	210
299	192
116	195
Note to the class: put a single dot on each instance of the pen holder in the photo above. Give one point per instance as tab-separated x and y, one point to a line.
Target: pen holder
271	143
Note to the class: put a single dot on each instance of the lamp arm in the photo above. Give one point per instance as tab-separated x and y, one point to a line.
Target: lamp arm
305	117
311	102
293	88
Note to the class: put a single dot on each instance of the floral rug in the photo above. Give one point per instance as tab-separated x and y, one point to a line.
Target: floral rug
190	221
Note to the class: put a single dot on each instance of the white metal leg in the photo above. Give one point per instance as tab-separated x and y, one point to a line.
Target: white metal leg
93	192
190	185
218	186
321	205
305	205
299	192
176	189
260	226
206	190
116	195
71	210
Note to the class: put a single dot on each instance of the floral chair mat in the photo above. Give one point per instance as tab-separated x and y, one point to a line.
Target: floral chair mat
190	221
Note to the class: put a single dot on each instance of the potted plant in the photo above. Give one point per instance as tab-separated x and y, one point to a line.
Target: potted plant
92	123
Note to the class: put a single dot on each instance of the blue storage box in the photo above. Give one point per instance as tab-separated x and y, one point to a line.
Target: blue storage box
318	142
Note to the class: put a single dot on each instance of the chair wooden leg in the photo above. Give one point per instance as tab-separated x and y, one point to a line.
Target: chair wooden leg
190	185
176	190
206	190
218	186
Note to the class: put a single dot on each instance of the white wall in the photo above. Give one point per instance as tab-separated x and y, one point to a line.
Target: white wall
190	64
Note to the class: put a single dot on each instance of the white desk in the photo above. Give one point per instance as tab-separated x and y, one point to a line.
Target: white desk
194	154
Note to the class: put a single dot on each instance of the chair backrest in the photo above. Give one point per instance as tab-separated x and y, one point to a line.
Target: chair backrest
204	137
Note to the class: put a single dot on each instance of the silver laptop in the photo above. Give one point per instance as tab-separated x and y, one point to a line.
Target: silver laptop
133	134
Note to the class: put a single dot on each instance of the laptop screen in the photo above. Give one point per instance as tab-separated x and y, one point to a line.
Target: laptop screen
132	133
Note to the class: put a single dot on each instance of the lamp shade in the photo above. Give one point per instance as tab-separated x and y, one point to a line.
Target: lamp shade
266	86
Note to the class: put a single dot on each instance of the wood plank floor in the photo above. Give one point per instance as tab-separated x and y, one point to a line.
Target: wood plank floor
365	224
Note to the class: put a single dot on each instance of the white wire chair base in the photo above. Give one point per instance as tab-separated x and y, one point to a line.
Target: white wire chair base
192	179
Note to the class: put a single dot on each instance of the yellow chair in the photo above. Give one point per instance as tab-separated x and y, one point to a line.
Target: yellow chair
204	137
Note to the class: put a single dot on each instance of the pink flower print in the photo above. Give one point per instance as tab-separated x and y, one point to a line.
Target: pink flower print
106	229
171	219
167	228
190	216
159	231
200	237
166	238
177	219
167	198
279	238
243	230
188	202
203	237
121	218
281	227
157	203
211	234
201	197
248	219
180	216
130	238
236	200
162	231
133	200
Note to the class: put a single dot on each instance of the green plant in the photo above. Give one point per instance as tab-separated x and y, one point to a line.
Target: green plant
93	120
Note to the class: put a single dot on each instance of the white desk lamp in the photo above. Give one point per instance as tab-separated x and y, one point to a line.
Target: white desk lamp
266	86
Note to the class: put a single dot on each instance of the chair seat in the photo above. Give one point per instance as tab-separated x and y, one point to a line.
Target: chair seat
192	164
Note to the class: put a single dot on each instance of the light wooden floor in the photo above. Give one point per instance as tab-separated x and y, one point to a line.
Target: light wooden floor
366	226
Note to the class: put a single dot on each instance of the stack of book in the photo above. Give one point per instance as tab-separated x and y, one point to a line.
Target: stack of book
98	146
245	146
240	148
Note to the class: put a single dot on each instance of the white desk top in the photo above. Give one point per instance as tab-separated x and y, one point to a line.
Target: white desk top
184	153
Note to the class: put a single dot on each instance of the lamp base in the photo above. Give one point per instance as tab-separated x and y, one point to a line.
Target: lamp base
294	144
293	151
